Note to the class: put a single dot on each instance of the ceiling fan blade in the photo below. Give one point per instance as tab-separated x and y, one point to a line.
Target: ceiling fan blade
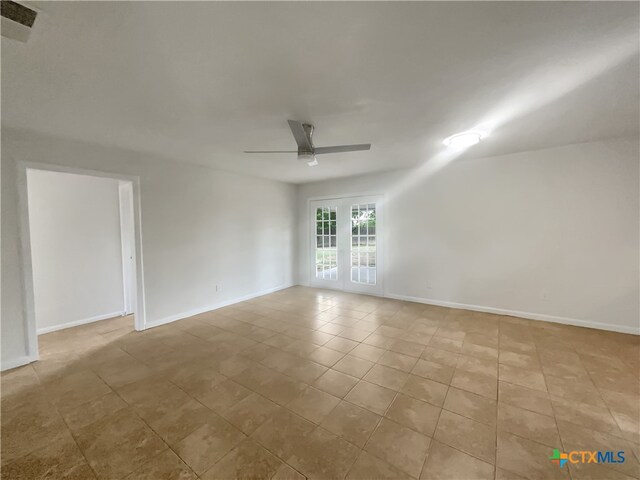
270	151
300	135
342	148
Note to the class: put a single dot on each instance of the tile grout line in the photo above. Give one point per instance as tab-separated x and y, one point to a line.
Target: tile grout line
67	425
135	412
546	385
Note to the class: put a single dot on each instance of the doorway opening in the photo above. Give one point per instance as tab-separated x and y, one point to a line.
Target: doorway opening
81	251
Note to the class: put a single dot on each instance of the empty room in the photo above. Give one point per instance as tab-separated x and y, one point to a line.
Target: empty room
320	240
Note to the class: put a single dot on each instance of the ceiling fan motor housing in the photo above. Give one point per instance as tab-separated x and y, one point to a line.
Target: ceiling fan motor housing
308	129
304	154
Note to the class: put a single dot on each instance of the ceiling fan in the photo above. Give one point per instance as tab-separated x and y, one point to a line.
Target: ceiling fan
303	133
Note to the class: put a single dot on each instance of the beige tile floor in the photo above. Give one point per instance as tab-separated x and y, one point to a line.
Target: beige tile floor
317	384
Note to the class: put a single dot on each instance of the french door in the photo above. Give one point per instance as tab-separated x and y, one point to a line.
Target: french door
346	245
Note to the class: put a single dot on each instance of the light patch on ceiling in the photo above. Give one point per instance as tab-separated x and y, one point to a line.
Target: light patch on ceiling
464	140
561	80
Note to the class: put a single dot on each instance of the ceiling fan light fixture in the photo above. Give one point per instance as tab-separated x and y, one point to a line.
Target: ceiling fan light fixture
464	139
310	158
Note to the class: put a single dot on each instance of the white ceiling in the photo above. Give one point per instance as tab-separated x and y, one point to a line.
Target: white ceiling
201	82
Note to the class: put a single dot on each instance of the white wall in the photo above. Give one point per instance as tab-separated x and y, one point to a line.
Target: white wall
74	224
200	227
552	234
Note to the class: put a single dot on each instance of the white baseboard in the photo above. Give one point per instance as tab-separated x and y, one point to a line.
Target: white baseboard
515	313
15	363
215	306
77	323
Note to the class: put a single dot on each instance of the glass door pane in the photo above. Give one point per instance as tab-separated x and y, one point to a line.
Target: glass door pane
363	244
326	243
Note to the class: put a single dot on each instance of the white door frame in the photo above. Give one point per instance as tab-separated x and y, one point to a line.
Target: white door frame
380	200
30	327
128	249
